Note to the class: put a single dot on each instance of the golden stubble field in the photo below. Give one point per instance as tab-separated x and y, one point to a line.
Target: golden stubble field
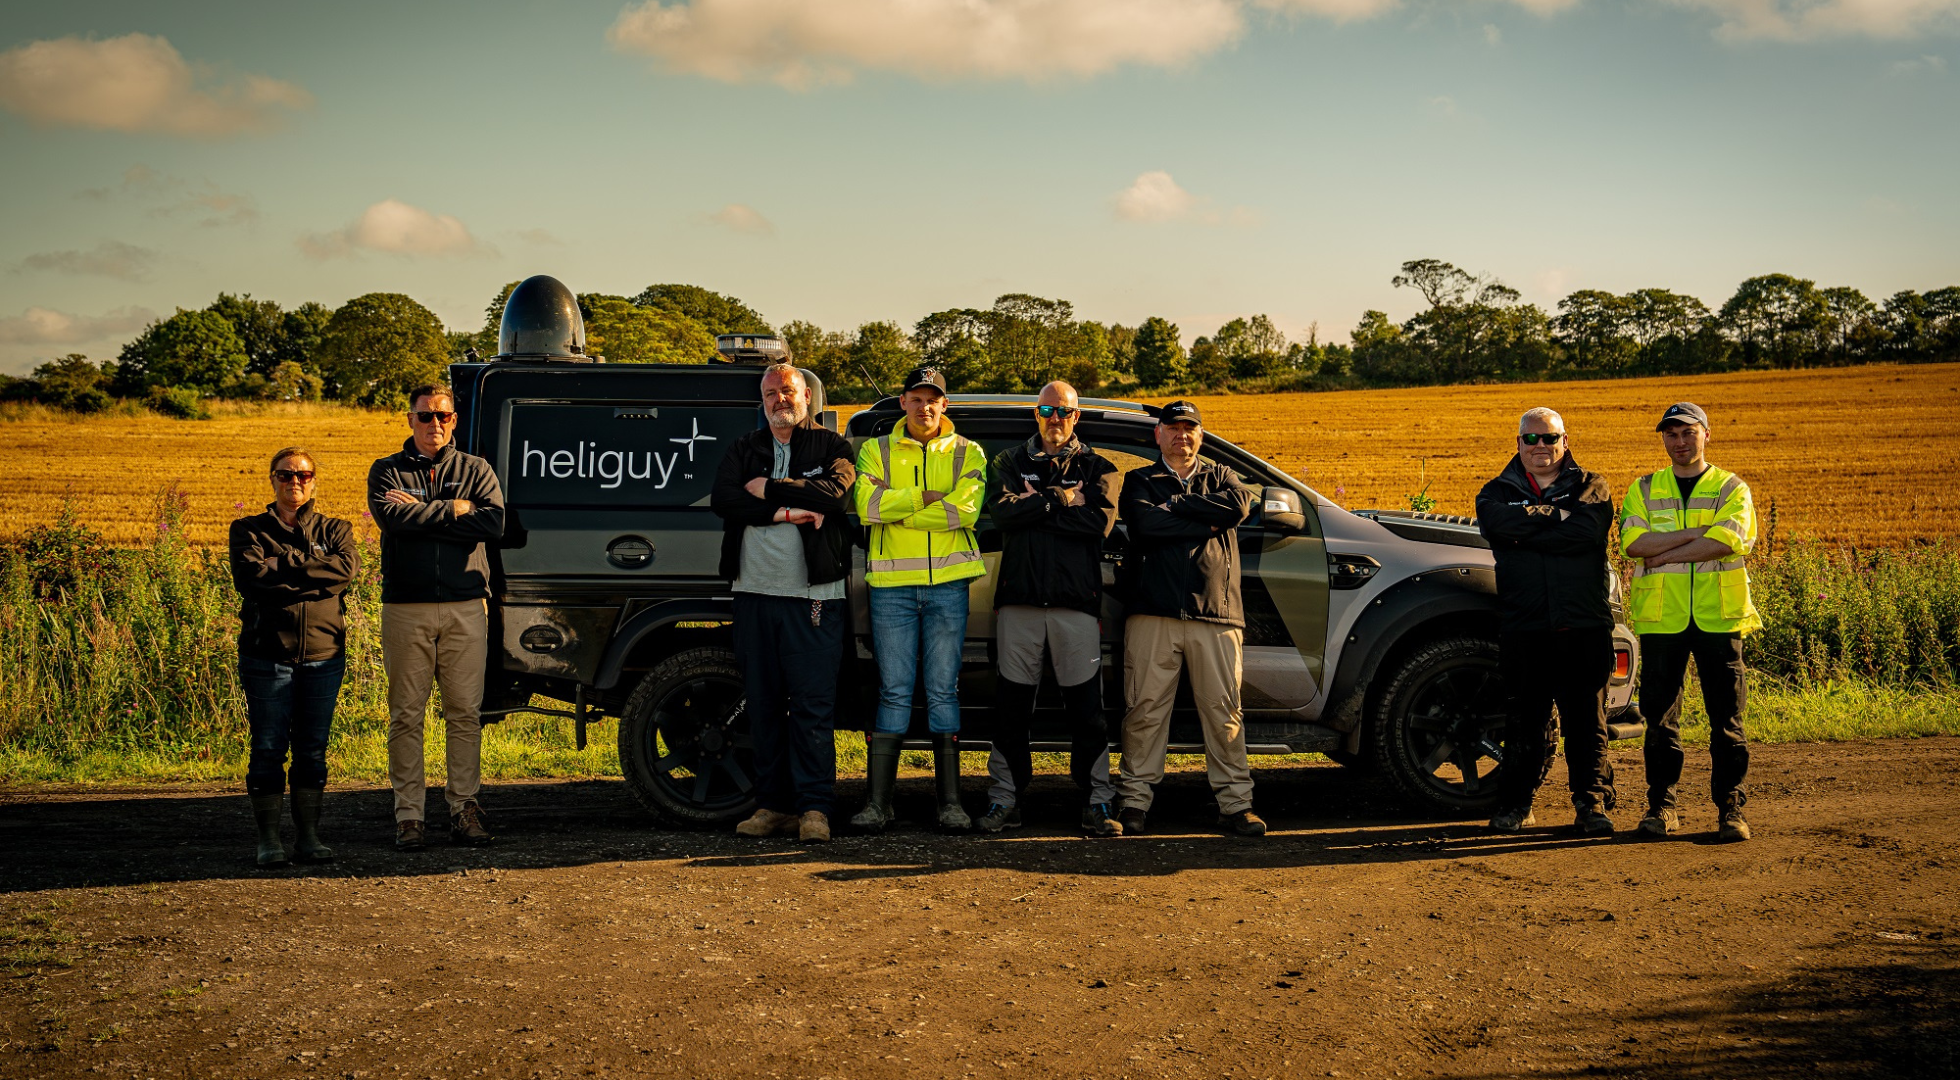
1863	456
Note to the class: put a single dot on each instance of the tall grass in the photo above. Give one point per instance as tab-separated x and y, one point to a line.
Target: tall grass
120	663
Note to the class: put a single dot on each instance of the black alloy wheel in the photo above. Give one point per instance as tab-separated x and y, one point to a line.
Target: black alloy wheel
1440	725
684	741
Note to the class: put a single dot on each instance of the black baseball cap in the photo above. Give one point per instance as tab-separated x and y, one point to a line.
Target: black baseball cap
925	376
1180	412
1683	412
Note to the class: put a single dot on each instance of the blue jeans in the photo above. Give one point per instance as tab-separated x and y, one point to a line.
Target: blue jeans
903	619
289	705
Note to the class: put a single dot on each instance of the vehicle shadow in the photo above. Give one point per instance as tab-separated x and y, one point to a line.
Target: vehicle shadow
77	838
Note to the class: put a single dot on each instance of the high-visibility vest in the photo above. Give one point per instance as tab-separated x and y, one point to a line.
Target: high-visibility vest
912	543
1714	593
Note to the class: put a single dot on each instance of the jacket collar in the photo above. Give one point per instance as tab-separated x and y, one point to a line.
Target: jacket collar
1515	474
409	449
301	519
1034	449
945	432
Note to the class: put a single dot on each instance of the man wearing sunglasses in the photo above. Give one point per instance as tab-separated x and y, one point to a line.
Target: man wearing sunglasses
1054	501
1547	521
436	507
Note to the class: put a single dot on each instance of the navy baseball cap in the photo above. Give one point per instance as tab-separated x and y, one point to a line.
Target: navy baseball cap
1180	412
925	376
1683	412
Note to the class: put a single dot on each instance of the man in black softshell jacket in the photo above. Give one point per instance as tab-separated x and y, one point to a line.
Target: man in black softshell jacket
1547	521
1053	499
437	506
783	493
1183	611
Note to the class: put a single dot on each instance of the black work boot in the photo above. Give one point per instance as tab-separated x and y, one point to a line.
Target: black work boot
266	812
880	777
306	825
946	774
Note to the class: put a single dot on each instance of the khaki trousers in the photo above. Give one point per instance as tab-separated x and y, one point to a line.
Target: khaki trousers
1155	649
423	645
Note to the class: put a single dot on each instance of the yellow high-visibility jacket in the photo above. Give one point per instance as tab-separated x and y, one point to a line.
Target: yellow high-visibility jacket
912	543
1714	593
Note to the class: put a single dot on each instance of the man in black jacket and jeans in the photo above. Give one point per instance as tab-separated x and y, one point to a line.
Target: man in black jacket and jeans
1547	521
436	507
783	493
1183	610
1054	501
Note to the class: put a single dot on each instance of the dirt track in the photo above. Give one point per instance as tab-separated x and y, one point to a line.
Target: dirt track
1358	940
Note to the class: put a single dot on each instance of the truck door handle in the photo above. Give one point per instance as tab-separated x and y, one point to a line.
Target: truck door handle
630	552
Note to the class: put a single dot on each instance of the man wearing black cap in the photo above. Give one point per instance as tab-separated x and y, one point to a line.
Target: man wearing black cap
1547	521
1180	588
1689	529
919	493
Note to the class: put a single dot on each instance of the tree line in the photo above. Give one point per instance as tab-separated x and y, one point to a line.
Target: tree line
374	348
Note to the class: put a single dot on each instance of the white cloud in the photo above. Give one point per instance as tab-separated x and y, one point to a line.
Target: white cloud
397	228
1154	196
45	326
1923	65
1357	10
742	218
799	44
1808	20
111	258
173	196
138	83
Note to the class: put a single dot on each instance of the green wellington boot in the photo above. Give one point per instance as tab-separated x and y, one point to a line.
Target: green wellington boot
306	824
266	812
946	776
880	777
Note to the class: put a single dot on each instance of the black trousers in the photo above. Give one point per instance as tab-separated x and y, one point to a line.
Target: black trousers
1566	669
1013	717
1724	692
789	668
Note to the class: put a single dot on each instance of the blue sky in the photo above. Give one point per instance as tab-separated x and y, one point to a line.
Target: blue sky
848	160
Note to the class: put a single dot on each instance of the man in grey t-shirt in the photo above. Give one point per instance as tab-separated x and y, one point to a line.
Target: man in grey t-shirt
783	493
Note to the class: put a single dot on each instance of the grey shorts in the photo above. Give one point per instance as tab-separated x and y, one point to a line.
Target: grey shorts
1073	640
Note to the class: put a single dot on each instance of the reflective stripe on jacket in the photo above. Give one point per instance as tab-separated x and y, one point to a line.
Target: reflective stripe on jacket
1716	592
909	542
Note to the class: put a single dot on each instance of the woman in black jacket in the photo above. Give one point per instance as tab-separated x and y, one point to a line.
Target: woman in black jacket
292	567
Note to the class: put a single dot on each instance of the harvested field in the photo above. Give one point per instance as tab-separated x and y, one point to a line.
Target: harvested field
1853	455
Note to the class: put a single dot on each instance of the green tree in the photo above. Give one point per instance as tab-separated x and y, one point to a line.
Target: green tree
625	333
1030	341
300	333
1851	324
1778	320
955	342
493	320
73	383
825	352
195	350
260	326
883	350
1379	352
716	313
1592	329
1158	353
379	346
1208	365
1089	362
1122	349
291	382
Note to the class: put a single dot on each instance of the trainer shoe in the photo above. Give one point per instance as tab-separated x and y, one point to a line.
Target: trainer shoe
999	817
1096	821
767	823
468	825
1660	821
410	836
1590	821
814	828
1243	823
1132	821
1513	820
1733	826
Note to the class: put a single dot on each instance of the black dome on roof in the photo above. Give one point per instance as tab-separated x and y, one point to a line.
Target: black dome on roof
541	320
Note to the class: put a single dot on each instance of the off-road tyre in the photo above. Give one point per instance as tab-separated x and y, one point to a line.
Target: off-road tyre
694	703
1439	723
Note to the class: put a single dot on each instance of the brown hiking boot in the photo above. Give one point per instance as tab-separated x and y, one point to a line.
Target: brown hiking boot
410	836
1243	823
767	823
1732	827
468	826
814	828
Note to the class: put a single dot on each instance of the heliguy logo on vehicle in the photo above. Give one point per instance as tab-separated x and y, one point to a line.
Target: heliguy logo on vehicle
601	454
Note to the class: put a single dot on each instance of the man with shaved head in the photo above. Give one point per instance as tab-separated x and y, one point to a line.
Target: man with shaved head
1053	498
1547	520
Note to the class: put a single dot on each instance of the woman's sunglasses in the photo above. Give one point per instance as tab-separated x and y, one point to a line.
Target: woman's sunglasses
1063	411
1550	438
287	476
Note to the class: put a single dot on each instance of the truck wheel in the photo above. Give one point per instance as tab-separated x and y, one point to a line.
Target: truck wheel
684	740
1439	725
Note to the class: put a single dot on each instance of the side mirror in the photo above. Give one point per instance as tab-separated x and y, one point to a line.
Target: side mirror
1281	511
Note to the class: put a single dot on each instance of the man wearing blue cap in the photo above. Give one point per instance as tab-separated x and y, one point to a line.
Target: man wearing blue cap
1688	529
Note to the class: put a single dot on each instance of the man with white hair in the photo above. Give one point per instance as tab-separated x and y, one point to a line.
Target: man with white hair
1547	521
782	492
